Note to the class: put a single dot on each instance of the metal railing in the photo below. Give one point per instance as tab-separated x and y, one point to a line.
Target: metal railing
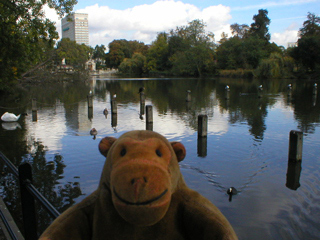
28	196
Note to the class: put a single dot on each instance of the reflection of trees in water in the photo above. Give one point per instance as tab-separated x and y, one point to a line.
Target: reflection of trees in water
170	95
244	105
46	175
306	107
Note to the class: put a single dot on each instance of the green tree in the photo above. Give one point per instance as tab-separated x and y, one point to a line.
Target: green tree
242	53
158	53
135	65
229	54
311	26
194	51
99	52
259	28
238	30
74	54
27	37
248	46
272	67
307	53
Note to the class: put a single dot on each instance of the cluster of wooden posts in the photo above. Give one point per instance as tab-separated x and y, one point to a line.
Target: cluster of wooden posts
295	137
289	92
295	142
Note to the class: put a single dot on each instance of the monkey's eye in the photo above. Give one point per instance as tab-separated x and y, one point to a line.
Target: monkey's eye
123	152
159	154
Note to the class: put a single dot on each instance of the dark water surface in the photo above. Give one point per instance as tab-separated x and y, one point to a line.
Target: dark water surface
246	147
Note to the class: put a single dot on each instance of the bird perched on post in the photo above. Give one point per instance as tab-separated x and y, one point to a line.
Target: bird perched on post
141	90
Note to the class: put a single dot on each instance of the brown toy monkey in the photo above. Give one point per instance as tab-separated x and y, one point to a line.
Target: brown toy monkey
141	195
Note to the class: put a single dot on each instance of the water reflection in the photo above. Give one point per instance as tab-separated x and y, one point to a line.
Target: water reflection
10	126
246	143
46	175
202	146
293	175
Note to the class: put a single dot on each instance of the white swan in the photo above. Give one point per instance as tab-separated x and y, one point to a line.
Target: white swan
10	117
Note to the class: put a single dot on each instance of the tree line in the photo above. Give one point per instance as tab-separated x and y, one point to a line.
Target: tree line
28	43
191	51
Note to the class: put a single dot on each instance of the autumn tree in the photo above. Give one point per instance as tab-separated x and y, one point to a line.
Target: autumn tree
121	49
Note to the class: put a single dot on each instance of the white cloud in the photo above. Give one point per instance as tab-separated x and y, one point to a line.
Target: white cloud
53	16
282	39
144	22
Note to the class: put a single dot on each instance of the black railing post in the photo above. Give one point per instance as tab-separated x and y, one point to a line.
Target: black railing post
27	203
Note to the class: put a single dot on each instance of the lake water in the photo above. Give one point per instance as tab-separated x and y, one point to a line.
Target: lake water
246	146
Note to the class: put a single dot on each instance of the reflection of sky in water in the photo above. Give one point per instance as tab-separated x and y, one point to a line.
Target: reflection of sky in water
49	129
257	167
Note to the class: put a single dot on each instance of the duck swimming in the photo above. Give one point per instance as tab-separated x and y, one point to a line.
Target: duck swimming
93	132
231	191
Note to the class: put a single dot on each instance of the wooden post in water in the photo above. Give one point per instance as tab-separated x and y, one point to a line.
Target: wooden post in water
314	94
90	113
142	103
142	98
114	121
90	101
227	92
114	109
293	175
295	145
188	98
202	125
149	118
289	90
260	91
202	146
34	110
315	89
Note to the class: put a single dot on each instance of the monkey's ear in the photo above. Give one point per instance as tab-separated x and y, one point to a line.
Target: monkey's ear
105	144
179	149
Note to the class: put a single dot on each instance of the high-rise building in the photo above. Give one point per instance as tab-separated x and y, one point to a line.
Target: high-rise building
75	27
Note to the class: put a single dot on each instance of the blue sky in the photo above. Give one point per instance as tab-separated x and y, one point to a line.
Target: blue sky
142	19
